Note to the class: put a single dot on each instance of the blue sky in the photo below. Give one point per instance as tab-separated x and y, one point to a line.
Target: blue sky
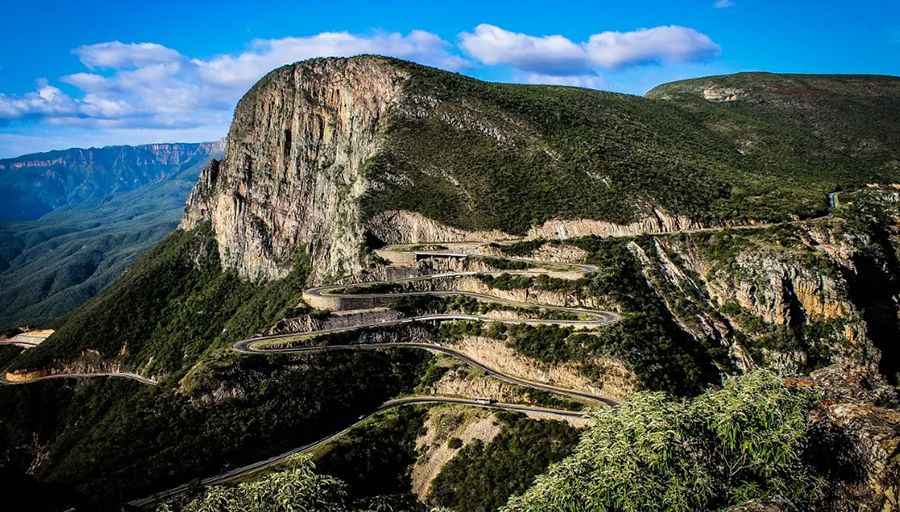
97	73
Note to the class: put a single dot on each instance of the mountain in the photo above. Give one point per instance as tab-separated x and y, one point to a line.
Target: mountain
738	236
36	184
109	205
423	153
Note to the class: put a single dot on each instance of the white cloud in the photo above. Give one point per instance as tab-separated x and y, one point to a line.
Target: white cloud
46	100
558	55
150	86
147	88
549	55
584	81
267	54
115	54
661	44
724	4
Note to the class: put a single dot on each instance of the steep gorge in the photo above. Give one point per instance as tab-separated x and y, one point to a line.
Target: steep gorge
329	158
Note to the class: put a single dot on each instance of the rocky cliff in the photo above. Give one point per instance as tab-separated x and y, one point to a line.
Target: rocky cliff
795	296
294	167
335	156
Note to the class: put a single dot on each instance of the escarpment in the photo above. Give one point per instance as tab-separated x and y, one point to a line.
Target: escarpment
333	157
294	167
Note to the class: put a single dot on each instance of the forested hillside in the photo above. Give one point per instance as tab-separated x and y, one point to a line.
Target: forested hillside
747	319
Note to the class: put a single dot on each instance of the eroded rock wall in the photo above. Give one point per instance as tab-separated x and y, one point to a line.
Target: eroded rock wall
293	168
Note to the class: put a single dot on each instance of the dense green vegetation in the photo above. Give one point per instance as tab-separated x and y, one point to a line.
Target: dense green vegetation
51	265
541	282
662	357
483	476
512	156
505	264
421	304
297	488
750	440
301	487
8	353
131	440
375	458
171	307
647	339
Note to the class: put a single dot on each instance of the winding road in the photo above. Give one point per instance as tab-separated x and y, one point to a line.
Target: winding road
256	467
338	298
81	375
247	347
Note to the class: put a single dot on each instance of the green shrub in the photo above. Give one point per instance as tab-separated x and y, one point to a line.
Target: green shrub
746	441
481	477
297	488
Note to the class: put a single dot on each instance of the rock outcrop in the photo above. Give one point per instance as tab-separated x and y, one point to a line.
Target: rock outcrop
294	167
655	221
795	296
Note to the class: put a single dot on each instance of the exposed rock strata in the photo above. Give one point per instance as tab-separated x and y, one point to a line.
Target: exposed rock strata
293	169
295	172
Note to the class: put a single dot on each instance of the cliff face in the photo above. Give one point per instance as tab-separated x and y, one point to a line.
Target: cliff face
294	168
796	296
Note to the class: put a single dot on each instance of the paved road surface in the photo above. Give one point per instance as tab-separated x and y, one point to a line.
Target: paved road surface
258	466
117	375
250	346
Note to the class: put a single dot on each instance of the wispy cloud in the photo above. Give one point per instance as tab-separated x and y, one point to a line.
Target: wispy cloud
723	4
150	86
117	55
589	81
128	89
556	55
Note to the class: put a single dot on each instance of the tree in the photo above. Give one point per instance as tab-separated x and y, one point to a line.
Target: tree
297	489
724	447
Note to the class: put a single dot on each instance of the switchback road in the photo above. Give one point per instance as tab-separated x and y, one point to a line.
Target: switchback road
255	467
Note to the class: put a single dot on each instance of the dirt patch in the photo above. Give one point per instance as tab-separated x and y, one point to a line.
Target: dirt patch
443	426
617	383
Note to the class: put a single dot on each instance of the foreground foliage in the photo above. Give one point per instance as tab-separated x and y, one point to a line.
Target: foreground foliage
483	476
746	441
297	488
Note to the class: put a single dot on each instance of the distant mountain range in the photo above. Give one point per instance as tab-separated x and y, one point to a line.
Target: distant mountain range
75	218
37	184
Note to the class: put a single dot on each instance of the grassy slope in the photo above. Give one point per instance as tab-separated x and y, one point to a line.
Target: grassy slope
574	153
482	477
169	308
177	307
112	440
